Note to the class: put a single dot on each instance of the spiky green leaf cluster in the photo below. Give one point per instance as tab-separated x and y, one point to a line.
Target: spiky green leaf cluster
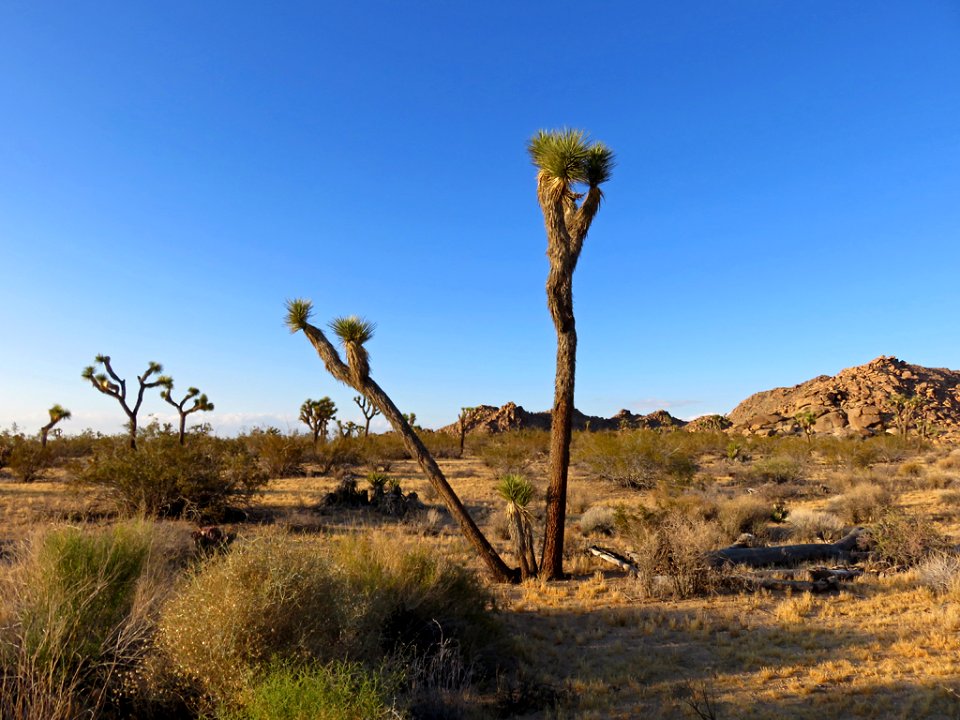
352	329
570	156
515	489
298	314
59	412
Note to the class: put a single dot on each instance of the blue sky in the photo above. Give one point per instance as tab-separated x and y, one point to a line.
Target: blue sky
786	201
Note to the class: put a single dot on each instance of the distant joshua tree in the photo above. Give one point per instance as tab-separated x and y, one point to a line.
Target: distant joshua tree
369	411
117	389
57	413
348	429
317	414
806	420
200	403
565	159
353	332
905	409
465	413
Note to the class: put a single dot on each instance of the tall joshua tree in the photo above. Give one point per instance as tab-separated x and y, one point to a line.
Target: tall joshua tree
317	414
57	413
369	411
200	403
109	383
571	169
353	332
462	420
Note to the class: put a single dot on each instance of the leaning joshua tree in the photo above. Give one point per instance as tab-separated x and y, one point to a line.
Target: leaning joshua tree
117	388
57	413
200	403
317	414
567	162
369	411
353	332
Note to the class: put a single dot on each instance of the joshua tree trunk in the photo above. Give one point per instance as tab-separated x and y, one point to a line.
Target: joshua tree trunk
560	303
356	378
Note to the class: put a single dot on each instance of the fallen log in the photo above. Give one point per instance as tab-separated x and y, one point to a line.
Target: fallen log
614	558
809	574
815	586
841	551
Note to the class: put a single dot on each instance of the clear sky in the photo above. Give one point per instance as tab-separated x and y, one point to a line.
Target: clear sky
786	201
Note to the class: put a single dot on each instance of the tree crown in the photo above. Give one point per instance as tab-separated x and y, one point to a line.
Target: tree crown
569	156
353	329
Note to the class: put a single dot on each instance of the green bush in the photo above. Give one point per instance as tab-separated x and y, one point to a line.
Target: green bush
77	614
776	469
163	478
27	459
512	453
337	691
280	455
637	459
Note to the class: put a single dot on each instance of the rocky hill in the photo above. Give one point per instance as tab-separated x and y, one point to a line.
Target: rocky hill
858	400
486	419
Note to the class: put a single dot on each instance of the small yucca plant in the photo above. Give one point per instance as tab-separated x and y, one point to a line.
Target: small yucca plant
518	492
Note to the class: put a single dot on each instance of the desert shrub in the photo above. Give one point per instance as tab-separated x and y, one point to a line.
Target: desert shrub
895	448
27	459
72	447
694	505
512	453
812	525
850	453
78	614
335	691
637	459
379	452
910	469
904	540
862	503
440	444
266	598
280	454
744	514
676	548
295	602
940	572
337	454
166	479
775	469
702	443
598	519
950	462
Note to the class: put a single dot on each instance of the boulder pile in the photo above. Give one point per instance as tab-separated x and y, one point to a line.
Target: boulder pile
487	419
857	401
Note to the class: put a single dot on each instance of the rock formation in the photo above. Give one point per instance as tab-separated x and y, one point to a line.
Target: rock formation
856	401
485	419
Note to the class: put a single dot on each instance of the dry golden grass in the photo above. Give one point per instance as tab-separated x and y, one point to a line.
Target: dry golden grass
883	647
